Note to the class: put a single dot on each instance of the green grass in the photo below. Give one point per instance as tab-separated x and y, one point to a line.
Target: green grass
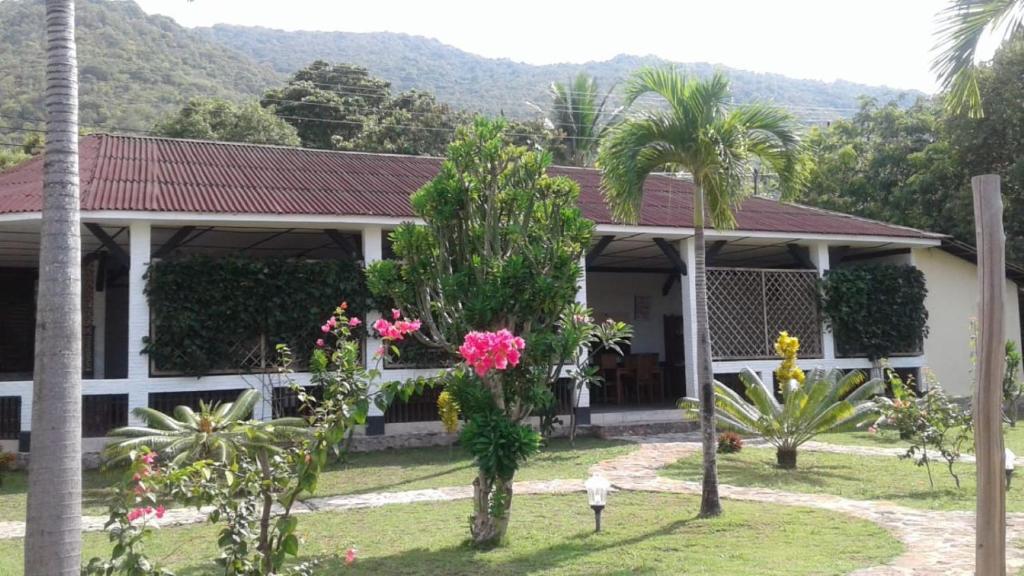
644	533
386	471
881	439
13	498
1014	438
857	477
416	468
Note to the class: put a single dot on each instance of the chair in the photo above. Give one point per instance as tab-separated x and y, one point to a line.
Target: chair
608	363
647	376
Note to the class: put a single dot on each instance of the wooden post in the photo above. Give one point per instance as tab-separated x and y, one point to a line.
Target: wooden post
990	538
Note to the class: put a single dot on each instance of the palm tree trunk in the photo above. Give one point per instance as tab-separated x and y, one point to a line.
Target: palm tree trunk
710	505
53	527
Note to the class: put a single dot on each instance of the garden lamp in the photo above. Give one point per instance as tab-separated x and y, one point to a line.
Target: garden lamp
1009	457
597	495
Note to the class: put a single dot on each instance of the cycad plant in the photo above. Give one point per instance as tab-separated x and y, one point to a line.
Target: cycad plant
217	432
826	402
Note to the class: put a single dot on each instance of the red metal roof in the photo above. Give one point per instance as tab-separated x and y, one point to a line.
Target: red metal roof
134	173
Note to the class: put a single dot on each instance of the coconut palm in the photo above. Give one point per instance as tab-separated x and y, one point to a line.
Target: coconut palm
218	432
962	26
826	402
53	539
699	134
578	111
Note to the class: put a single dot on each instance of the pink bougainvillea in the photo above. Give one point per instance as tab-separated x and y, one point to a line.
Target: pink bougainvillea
350	556
486	351
398	329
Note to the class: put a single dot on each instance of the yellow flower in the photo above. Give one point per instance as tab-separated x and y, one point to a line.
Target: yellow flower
448	409
786	347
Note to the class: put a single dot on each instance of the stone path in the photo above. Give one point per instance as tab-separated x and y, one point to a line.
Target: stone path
935	542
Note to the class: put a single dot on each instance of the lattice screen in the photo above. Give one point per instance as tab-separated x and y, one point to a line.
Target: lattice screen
747	308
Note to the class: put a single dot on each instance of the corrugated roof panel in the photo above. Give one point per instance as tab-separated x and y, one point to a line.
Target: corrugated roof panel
133	173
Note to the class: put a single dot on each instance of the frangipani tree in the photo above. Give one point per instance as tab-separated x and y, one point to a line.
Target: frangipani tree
698	132
490	274
825	402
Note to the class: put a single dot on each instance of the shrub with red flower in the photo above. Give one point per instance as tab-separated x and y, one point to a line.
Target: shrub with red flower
398	329
486	351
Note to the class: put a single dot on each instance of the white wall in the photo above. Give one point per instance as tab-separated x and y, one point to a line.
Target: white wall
952	303
611	295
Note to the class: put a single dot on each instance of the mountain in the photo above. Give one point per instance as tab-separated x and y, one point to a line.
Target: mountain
495	85
133	67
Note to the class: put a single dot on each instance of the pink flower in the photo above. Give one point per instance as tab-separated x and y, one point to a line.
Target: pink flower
332	321
396	331
872	429
396	313
350	557
160	510
381	325
136	513
484	351
319	342
325	328
148	457
353	321
343	305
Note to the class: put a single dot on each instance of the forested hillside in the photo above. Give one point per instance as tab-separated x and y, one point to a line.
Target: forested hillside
136	68
133	68
496	85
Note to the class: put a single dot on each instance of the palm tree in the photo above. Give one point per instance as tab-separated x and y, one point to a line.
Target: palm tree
53	541
700	134
218	432
578	111
962	26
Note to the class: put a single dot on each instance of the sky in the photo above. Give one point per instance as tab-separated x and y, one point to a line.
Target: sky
880	42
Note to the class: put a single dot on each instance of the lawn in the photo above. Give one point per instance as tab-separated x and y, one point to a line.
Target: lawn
644	533
385	471
1014	438
856	477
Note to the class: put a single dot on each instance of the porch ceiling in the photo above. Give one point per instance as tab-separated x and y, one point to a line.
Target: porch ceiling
640	252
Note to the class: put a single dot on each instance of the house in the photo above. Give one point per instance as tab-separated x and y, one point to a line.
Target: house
148	198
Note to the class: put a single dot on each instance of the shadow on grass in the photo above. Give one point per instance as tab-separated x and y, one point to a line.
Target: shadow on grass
464	560
766	473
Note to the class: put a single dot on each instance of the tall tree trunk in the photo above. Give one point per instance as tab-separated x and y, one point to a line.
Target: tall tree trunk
710	505
492	503
53	528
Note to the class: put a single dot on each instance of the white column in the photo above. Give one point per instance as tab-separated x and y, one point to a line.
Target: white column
140	250
26	411
581	298
820	258
373	250
99	334
687	249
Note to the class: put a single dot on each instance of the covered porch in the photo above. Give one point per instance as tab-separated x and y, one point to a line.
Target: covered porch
758	285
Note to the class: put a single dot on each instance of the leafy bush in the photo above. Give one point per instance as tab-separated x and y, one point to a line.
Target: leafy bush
931	422
729	443
202	306
6	463
876	310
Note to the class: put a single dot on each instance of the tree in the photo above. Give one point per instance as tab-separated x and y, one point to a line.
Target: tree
963	24
414	122
578	111
497	259
53	540
325	102
215	119
700	134
825	402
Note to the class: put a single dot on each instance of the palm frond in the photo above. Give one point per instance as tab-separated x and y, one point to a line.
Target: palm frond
962	25
760	393
242	407
157	419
